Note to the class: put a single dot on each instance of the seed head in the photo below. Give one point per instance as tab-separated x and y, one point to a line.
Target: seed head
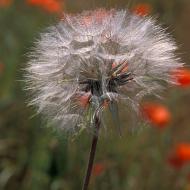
96	60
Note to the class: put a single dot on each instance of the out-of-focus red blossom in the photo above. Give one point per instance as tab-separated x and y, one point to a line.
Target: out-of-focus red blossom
98	16
98	169
142	9
52	6
101	14
5	3
86	20
175	162
157	114
180	156
182	76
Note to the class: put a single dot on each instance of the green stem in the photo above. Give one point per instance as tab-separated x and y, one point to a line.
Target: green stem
92	154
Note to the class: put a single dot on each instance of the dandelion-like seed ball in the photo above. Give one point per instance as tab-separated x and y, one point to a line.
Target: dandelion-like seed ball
98	59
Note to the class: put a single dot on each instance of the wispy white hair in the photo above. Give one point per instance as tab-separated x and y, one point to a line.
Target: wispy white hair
70	57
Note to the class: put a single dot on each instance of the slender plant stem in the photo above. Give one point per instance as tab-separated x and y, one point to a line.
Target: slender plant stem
92	154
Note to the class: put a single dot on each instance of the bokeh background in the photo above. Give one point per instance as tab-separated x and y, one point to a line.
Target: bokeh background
35	157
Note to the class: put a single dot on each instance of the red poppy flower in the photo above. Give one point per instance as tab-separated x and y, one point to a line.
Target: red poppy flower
142	9
182	76
52	6
5	3
101	14
98	169
156	114
183	151
180	155
98	17
175	161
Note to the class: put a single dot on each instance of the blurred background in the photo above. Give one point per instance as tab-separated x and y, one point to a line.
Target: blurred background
34	157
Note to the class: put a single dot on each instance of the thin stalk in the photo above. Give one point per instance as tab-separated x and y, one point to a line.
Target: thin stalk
92	154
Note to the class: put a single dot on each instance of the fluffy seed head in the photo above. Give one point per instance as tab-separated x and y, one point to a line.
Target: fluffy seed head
98	59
